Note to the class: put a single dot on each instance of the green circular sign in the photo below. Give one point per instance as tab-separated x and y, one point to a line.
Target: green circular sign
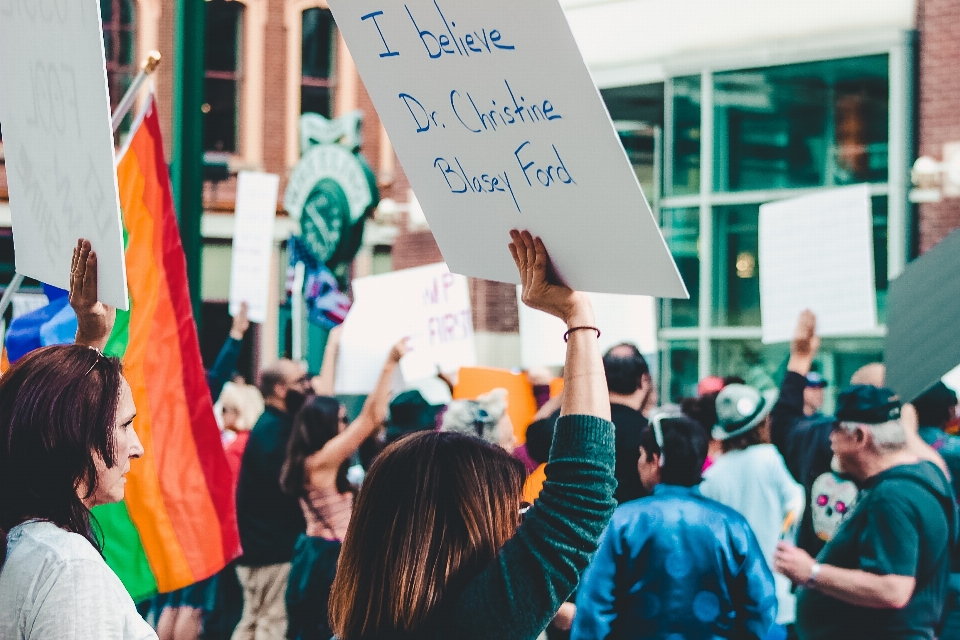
325	218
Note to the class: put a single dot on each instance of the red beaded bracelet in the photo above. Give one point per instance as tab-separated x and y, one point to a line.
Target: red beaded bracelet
566	336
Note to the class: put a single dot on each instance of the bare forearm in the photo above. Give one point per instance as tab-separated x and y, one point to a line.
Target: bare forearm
800	364
375	407
92	337
865	589
326	381
584	383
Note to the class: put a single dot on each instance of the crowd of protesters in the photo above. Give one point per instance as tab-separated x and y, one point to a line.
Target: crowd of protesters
738	513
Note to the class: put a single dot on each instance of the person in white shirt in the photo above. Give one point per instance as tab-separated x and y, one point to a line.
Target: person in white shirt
752	478
66	444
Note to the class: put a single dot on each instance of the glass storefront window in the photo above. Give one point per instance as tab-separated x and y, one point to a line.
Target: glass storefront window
639	143
759	365
736	272
684	174
681	359
317	61
802	125
681	229
637	113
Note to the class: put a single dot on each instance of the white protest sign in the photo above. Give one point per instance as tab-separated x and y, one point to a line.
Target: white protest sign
816	252
499	126
429	305
621	318
58	141
255	214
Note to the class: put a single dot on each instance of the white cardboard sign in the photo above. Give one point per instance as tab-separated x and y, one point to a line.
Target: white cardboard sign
253	243
428	304
58	141
499	126
621	318
816	252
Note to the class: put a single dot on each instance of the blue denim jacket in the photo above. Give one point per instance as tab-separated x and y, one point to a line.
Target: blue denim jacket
676	563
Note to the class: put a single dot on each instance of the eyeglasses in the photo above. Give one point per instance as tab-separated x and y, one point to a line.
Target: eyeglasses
658	430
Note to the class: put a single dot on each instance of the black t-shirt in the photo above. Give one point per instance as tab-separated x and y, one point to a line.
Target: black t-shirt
804	443
628	423
270	521
904	524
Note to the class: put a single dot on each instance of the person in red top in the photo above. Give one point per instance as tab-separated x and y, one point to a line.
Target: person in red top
239	407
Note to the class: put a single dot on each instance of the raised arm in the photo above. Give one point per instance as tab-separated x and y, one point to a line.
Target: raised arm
584	383
372	415
94	319
805	344
559	534
789	408
223	367
325	383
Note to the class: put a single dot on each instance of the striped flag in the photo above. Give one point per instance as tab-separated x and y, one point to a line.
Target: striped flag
177	524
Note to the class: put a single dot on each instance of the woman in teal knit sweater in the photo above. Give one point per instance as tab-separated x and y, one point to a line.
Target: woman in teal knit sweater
436	547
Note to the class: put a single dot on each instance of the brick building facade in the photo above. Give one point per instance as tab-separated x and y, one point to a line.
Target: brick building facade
938	106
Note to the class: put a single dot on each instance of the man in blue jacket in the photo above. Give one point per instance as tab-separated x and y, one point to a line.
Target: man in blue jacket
675	564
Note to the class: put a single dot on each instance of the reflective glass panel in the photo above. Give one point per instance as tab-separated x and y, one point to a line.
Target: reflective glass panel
802	125
637	113
220	119
681	229
683	175
317	51
682	359
736	274
759	365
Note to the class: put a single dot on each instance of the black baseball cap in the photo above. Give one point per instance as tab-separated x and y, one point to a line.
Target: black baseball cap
867	404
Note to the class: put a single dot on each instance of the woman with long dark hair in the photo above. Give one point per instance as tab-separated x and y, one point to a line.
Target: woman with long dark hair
66	445
436	548
319	452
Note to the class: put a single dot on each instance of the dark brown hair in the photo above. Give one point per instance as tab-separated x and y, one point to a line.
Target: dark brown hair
685	442
316	424
758	435
58	408
433	512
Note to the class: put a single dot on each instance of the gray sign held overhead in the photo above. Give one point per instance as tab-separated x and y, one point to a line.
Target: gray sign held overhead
923	316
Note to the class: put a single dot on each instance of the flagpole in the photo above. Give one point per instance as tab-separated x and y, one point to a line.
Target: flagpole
148	67
123	108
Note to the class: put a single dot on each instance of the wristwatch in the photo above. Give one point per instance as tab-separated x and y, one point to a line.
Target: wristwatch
814	573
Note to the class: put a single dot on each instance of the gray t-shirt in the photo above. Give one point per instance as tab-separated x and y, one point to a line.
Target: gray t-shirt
55	586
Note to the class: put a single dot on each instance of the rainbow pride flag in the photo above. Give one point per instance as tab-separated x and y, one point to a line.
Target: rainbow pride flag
178	523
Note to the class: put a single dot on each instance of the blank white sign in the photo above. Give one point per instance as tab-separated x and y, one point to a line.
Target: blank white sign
58	142
255	214
499	126
620	318
816	252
